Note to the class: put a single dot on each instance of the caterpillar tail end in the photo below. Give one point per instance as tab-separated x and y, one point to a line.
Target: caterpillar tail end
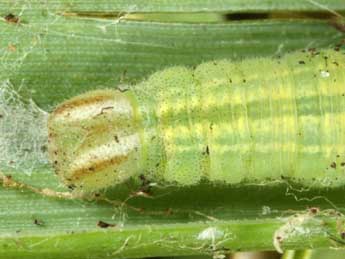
93	140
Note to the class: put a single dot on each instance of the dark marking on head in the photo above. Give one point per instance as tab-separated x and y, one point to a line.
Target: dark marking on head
333	165
104	109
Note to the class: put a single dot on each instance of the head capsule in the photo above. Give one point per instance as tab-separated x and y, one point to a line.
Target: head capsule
94	141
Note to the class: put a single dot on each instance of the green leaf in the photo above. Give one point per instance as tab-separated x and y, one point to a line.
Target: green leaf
175	6
58	49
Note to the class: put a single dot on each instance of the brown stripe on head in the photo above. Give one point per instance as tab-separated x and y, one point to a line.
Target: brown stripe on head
83	100
93	104
97	166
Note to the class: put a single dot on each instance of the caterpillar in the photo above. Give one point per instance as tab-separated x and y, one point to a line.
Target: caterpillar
260	119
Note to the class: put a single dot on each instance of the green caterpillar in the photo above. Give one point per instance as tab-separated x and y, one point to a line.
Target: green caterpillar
227	122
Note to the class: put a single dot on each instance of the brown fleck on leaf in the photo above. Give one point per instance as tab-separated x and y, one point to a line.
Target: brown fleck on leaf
11	18
11	48
103	224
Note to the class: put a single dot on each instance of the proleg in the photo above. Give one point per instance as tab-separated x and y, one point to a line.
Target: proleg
226	122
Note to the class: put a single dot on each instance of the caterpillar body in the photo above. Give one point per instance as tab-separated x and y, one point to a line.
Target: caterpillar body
227	122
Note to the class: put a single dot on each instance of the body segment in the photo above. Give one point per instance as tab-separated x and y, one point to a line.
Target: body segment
230	122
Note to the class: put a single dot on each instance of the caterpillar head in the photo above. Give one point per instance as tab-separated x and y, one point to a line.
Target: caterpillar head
93	140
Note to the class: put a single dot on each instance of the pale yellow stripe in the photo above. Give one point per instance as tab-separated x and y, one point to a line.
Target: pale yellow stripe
183	131
265	126
275	147
255	94
286	123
